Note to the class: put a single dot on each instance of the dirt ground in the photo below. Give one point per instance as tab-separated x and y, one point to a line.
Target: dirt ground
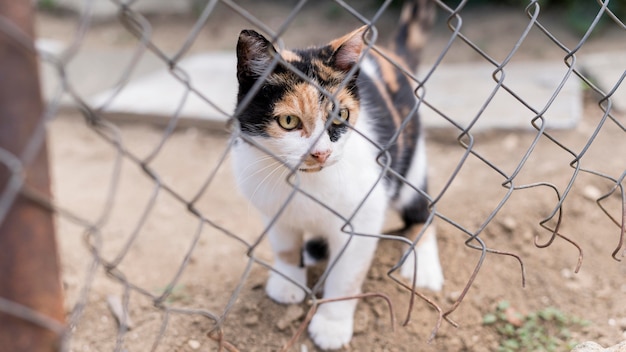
84	168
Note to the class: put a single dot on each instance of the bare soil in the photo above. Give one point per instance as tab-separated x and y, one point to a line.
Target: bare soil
85	169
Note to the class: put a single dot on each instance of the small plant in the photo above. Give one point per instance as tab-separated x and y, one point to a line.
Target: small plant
47	5
578	14
178	294
545	330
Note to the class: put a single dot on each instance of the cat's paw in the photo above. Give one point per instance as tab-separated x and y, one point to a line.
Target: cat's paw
429	272
282	290
330	333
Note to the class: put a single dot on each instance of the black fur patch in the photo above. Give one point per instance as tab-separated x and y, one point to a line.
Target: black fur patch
316	248
255	117
417	211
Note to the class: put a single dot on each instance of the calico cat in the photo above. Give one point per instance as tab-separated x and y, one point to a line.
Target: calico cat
311	125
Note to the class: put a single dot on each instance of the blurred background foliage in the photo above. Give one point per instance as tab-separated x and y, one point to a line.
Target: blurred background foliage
579	13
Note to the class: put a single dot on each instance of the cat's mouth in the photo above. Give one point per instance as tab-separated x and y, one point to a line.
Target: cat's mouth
311	169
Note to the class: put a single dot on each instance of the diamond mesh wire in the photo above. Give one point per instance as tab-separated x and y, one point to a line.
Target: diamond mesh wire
123	155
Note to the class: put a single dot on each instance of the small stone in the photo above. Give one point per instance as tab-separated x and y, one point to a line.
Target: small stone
117	309
251	320
250	306
567	273
588	346
194	344
620	347
453	296
592	193
293	313
508	224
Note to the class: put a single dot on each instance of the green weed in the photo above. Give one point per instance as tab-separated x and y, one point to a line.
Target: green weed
178	294
546	330
47	5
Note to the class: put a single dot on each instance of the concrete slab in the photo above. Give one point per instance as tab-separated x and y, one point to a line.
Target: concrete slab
91	71
605	70
458	90
158	96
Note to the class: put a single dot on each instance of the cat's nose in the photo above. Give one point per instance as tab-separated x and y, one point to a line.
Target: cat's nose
321	155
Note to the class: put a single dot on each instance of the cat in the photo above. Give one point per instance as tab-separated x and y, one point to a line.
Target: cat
310	126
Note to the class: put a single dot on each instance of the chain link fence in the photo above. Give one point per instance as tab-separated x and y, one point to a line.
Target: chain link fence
156	306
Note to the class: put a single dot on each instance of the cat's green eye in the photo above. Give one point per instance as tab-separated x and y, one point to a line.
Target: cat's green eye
344	114
288	122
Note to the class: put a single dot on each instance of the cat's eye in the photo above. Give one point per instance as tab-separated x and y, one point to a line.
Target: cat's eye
344	114
288	122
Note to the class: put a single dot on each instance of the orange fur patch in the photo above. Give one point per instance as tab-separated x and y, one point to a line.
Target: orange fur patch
388	70
301	101
290	56
327	73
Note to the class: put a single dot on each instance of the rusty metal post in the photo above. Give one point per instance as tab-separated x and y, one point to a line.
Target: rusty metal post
29	265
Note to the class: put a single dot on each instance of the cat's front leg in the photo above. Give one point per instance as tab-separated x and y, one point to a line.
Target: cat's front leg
429	272
287	246
332	325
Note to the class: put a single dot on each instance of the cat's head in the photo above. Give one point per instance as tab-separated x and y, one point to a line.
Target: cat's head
303	117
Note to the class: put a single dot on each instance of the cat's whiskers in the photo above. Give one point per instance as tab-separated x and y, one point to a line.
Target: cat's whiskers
262	159
280	178
263	168
278	165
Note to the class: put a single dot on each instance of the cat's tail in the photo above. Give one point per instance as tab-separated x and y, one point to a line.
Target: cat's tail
416	20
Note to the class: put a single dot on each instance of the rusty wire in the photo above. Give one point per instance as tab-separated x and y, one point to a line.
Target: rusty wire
140	27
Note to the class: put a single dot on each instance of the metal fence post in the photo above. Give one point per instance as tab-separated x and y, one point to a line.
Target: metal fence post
30	285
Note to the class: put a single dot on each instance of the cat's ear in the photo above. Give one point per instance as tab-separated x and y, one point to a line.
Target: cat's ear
254	54
348	49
